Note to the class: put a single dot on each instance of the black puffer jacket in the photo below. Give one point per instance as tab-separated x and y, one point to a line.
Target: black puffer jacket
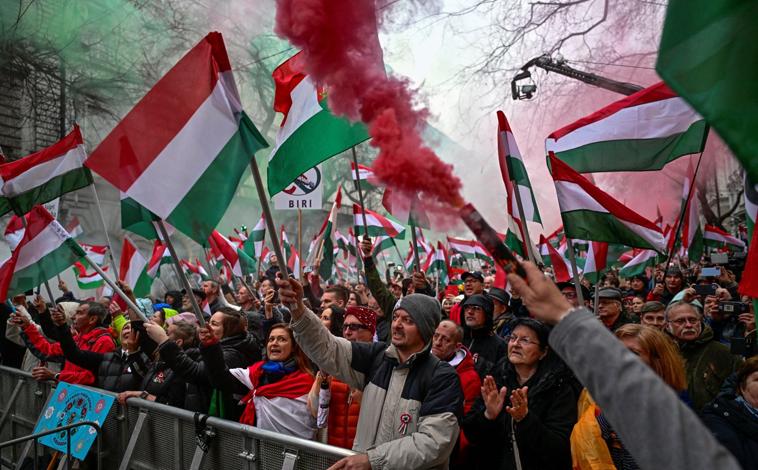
735	427
239	351
486	347
115	371
542	436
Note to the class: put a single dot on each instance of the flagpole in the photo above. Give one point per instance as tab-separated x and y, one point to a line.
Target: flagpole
360	194
117	289
269	218
182	278
260	259
300	239
681	214
105	229
523	225
572	259
597	291
415	245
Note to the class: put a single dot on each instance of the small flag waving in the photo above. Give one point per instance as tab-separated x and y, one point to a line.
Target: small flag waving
717	238
561	269
87	280
589	213
186	136
45	175
513	170
309	133
14	231
641	132
638	264
240	262
437	263
46	249
365	174
597	259
133	270
377	224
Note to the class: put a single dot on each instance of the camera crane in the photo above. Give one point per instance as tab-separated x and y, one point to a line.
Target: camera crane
526	92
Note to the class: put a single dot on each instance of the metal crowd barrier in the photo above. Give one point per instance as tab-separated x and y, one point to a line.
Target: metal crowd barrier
146	436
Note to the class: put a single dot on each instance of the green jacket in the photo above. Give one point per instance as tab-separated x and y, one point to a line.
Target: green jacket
707	364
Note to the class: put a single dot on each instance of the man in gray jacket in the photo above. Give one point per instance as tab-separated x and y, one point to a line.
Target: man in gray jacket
411	400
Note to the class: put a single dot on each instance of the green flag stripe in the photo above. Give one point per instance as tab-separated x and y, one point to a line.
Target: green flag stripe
600	227
319	138
62	184
635	154
46	268
198	214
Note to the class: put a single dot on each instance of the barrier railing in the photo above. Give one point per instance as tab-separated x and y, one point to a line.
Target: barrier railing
34	437
146	436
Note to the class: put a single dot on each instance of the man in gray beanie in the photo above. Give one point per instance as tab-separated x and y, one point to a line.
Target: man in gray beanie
407	391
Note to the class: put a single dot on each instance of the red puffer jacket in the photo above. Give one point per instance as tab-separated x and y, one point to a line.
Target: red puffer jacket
344	408
472	388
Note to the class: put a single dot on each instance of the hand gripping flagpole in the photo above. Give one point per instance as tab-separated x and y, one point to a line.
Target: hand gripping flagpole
116	288
182	277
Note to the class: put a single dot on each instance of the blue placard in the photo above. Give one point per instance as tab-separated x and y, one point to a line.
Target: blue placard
72	404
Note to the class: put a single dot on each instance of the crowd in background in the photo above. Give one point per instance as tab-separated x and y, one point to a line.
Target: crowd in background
405	374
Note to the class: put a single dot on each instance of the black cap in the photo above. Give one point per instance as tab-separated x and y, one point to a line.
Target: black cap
481	300
500	295
475	274
609	293
585	292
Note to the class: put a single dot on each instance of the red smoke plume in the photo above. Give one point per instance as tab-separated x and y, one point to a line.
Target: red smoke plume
340	43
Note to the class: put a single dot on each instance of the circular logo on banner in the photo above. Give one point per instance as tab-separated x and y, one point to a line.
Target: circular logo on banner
305	183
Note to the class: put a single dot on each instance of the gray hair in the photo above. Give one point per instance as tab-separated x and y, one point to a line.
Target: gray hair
681	303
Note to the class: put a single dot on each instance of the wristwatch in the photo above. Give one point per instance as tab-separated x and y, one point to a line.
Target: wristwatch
144	395
56	377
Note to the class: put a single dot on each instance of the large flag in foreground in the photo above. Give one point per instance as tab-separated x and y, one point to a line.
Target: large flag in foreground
589	213
640	132
46	249
182	150
309	133
45	175
707	55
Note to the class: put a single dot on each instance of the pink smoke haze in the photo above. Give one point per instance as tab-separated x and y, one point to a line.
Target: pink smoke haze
340	43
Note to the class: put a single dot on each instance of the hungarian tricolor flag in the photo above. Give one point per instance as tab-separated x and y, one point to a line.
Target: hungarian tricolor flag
293	257
240	262
196	268
309	133
365	174
88	280
513	170
718	238
640	132
437	263
133	270
550	257
324	242
377	224
253	245
707	55
45	250
597	260
45	175
182	150
95	252
469	249
692	234
589	213
160	256
638	264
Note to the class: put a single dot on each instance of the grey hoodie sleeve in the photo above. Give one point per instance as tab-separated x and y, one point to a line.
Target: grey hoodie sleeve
657	428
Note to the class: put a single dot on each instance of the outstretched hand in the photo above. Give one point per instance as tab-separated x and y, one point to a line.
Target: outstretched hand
519	404
540	295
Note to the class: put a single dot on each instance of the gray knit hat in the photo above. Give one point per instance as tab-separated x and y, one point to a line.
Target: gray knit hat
425	311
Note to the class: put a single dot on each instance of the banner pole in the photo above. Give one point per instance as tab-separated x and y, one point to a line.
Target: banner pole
182	278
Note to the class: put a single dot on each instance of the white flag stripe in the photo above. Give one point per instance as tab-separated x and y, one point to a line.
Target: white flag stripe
512	147
526	202
193	149
647	121
46	241
571	197
304	106
32	178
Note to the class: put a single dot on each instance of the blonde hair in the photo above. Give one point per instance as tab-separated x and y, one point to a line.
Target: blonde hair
665	359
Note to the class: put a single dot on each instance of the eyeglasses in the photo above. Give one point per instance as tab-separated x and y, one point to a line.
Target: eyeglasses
354	326
521	341
682	321
569	294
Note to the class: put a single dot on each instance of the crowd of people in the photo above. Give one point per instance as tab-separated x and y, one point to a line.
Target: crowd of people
656	371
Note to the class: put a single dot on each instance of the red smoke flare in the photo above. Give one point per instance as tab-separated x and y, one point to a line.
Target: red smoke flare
340	43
